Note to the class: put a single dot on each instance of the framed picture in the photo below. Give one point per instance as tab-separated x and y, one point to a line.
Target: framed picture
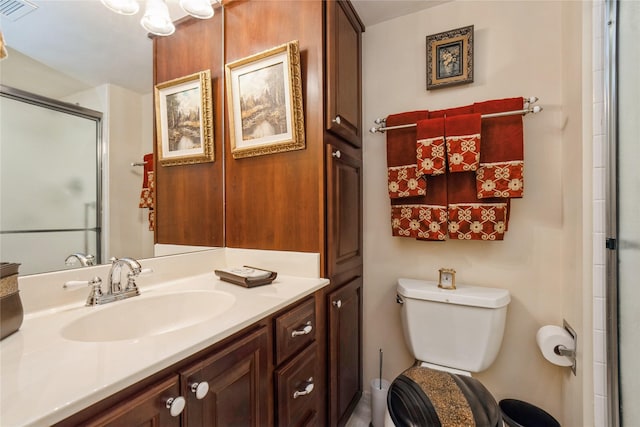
450	58
264	96
184	120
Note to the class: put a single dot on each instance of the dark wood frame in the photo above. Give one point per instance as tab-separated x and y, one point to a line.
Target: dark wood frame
461	41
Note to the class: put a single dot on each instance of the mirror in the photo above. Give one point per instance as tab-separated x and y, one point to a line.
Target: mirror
81	53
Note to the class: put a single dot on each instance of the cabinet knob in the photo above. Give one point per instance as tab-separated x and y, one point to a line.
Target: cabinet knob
306	330
337	120
337	154
175	405
200	389
337	303
306	389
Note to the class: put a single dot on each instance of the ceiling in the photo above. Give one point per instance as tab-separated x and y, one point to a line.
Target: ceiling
85	40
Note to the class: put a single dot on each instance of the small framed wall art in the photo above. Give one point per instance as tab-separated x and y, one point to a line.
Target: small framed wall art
264	96
184	120
450	58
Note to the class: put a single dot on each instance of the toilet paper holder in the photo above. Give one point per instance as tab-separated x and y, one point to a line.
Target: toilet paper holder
561	350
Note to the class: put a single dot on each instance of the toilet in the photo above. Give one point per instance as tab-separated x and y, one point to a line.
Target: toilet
452	333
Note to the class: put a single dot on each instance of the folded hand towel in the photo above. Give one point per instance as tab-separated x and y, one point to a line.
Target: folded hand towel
466	109
471	218
424	217
462	133
430	146
403	177
500	173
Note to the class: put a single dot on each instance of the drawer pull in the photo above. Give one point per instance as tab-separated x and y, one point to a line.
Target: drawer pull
308	388
304	331
175	405
337	303
200	389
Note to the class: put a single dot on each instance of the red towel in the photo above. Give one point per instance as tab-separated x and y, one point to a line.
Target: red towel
402	172
467	109
430	146
146	195
422	216
148	186
502	157
471	218
462	133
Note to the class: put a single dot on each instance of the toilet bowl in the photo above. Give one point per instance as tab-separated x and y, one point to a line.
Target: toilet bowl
452	333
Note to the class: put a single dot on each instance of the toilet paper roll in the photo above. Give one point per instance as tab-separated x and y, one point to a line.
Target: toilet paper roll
551	336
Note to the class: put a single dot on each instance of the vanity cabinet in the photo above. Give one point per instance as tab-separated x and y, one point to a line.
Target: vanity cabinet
148	407
268	374
297	376
237	385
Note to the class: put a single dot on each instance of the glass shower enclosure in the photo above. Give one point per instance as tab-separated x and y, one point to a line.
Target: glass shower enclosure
50	189
623	221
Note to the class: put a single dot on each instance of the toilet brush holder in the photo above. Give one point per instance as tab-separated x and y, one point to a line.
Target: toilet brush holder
379	390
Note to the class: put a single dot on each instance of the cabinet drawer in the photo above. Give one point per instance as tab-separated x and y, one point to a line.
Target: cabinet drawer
296	391
295	329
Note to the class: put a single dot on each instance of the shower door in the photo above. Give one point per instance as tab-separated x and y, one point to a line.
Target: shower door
49	181
625	224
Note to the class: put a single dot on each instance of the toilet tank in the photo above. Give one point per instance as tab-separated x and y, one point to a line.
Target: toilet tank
460	328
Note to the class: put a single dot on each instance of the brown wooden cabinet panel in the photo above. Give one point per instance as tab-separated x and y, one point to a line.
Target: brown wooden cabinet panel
344	211
344	71
344	313
297	390
238	385
294	330
147	408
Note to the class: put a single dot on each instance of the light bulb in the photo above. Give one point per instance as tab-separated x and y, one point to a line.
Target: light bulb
198	8
156	18
123	7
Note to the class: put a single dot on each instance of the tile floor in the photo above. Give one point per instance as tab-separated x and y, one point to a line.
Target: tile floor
361	416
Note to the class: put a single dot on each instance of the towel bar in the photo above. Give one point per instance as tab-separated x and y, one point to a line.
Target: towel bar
529	109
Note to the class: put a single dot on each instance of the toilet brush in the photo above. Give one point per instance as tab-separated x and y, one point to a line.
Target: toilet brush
380	376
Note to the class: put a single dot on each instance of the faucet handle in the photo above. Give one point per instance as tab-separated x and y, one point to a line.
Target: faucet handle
74	284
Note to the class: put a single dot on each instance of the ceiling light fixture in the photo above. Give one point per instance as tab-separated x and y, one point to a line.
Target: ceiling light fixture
197	8
156	17
123	7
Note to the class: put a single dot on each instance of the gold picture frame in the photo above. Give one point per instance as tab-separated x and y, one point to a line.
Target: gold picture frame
264	100
184	120
450	58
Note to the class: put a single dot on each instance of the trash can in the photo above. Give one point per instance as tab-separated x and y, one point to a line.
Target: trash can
517	413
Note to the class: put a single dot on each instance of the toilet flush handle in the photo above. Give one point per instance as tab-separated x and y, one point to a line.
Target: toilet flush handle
399	299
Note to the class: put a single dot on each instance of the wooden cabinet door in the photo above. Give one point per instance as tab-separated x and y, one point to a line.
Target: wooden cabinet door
147	408
238	385
344	71
344	211
344	313
297	393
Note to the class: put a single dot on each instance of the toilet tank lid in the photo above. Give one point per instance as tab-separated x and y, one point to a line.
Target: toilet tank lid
476	296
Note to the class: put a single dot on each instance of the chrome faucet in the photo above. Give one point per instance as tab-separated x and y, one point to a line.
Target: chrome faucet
114	291
85	260
115	275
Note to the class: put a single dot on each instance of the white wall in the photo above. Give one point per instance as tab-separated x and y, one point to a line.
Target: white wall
519	51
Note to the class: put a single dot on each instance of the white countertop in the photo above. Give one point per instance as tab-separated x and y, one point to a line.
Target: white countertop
45	378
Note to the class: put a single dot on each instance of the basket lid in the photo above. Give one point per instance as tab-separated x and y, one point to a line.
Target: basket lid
8	269
476	296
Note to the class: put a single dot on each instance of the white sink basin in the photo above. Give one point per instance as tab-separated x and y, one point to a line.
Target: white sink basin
142	316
